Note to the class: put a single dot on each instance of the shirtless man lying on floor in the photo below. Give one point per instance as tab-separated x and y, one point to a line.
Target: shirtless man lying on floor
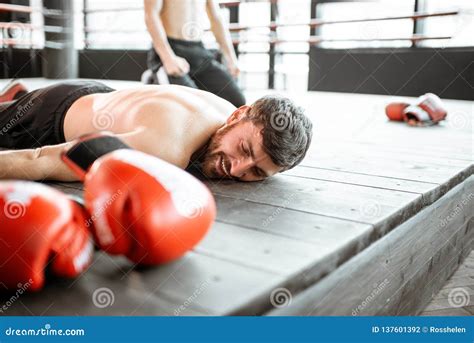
184	126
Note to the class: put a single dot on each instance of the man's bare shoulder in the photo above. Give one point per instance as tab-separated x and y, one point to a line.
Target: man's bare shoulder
173	96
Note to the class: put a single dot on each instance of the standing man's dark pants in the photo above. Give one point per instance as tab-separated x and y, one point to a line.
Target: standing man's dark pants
205	72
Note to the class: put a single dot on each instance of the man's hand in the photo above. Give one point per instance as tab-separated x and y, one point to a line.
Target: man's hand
176	66
234	69
222	34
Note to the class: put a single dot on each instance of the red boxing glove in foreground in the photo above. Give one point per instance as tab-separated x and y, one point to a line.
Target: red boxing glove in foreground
141	207
40	228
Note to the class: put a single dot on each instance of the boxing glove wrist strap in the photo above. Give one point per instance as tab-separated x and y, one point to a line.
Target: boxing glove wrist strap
82	155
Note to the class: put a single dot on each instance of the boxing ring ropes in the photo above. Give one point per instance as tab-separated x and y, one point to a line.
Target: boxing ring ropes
8	43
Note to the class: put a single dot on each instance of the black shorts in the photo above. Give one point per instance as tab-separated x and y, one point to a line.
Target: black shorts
37	118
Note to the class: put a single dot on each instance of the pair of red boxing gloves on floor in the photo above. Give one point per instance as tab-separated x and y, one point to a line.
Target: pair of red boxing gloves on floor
136	205
427	110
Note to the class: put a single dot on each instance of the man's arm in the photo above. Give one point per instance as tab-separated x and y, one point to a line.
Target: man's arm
222	35
173	64
35	164
45	163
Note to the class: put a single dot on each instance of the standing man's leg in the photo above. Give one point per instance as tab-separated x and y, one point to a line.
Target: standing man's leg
213	77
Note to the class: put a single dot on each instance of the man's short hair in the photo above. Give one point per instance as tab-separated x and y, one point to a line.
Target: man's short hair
287	132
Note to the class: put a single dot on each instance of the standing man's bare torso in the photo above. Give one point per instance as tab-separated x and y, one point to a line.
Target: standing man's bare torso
170	122
179	17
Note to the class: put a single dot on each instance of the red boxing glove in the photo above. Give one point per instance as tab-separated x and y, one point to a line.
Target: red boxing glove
427	110
142	207
395	111
40	227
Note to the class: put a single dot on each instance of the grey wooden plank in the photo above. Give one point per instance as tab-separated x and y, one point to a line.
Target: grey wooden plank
308	227
61	297
193	285
437	136
223	285
423	151
365	152
276	254
349	177
411	263
460	281
352	202
469	309
401	169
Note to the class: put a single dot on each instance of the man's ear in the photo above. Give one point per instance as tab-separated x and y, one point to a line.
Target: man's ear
238	114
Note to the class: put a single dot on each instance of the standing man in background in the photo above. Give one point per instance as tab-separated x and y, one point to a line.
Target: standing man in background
176	27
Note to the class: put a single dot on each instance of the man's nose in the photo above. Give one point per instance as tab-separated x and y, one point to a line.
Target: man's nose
240	166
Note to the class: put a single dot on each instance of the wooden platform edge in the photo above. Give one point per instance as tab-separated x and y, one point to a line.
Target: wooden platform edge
400	273
427	199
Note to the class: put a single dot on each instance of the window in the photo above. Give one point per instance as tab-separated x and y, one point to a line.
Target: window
115	24
460	27
365	34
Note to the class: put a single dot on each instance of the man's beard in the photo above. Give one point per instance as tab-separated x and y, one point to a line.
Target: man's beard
207	162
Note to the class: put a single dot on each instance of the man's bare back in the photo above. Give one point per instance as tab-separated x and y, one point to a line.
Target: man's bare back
176	120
